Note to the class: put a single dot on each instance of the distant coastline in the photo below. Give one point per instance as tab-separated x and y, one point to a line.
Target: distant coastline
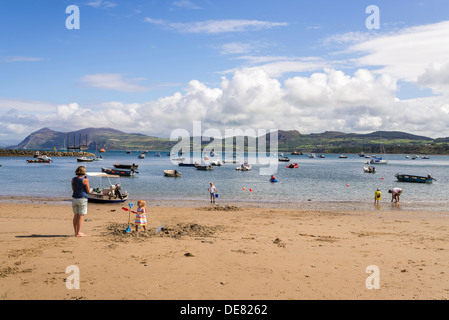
31	153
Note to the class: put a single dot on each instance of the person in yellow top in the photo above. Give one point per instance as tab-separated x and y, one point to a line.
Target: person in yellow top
377	196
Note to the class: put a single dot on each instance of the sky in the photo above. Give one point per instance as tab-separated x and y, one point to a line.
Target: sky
155	66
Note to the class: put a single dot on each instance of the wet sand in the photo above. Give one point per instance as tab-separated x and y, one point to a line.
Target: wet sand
240	251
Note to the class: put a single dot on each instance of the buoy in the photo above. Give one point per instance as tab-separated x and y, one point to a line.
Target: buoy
383	178
347	185
250	190
244	188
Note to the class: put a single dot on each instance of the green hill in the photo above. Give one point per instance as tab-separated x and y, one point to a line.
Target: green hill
326	142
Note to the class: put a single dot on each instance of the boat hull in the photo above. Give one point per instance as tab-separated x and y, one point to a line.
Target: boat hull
101	198
414	179
119	172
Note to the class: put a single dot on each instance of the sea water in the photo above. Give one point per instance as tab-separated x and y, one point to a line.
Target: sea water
316	179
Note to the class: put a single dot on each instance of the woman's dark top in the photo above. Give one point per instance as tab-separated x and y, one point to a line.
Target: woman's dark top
79	189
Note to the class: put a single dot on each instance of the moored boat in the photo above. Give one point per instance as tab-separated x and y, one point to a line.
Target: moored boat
112	194
119	172
39	160
413	178
172	173
126	166
369	169
204	167
84	159
378	161
244	167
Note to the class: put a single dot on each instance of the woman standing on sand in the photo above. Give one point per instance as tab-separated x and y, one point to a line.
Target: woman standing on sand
80	188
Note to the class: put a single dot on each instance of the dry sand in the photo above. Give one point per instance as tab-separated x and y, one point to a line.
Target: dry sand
232	253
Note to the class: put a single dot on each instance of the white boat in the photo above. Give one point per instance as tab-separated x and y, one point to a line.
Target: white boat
216	163
111	194
369	169
172	173
244	167
378	161
312	155
84	159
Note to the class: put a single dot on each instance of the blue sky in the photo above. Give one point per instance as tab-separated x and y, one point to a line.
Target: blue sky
155	66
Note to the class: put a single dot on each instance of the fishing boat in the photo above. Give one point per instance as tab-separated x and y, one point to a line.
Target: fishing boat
172	173
244	167
119	172
84	159
321	156
112	194
284	159
293	166
342	156
126	166
204	167
415	179
369	169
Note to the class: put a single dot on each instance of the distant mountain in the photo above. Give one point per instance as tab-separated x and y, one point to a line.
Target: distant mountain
97	138
326	142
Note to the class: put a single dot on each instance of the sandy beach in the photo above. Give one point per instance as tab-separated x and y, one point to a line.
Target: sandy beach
227	252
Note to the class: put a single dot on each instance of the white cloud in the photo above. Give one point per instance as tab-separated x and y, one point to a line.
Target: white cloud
113	81
252	99
436	77
406	54
102	4
184	4
216	26
21	59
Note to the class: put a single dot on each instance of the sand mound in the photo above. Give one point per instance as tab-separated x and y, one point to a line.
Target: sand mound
221	208
117	232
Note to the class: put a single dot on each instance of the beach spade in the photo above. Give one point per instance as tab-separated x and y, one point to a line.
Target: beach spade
128	230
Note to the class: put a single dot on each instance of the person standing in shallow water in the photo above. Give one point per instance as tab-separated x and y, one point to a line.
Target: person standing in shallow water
80	188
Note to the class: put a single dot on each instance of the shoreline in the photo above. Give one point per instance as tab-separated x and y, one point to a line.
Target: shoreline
343	205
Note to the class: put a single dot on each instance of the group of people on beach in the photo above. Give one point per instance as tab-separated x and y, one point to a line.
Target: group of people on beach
81	189
395	195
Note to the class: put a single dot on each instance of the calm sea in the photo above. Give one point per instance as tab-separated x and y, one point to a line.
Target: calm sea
328	179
